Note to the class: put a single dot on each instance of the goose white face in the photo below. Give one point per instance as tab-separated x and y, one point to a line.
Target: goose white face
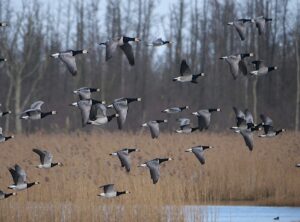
84	51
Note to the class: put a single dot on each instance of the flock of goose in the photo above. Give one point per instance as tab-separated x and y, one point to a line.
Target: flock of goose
95	112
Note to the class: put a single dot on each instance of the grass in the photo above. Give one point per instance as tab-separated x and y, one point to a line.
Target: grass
232	174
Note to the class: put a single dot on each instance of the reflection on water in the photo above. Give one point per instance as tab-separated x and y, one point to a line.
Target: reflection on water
240	213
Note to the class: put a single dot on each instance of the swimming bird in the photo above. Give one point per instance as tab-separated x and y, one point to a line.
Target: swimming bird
35	112
159	42
98	115
85	92
240	27
121	106
123	156
68	58
109	191
204	116
261	69
237	64
260	23
46	159
154	127
123	43
85	107
153	166
4	138
185	127
6	195
19	178
5	112
267	124
3	24
186	74
199	152
174	110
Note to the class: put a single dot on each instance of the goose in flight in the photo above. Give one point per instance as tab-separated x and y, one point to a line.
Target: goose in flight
68	58
121	105
237	64
20	179
4	138
46	159
186	74
199	152
204	117
98	115
123	43
260	23
6	195
267	124
109	191
3	24
85	92
159	42
174	110
185	127
35	112
5	112
123	156
240	27
261	69
153	166
154	127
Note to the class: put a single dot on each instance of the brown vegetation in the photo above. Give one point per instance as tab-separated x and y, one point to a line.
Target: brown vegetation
231	173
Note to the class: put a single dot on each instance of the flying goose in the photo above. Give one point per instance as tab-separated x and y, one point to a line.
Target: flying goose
85	106
123	156
260	23
85	92
186	74
4	138
5	112
121	106
123	43
267	124
153	166
35	112
68	58
204	116
174	110
109	191
244	120
46	159
159	42
199	152
98	115
237	64
154	127
261	69
248	136
6	195
185	127
19	178
240	26
3	24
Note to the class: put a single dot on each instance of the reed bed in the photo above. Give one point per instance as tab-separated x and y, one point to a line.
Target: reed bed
232	174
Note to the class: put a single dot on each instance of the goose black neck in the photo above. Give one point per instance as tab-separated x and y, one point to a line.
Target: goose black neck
30	184
109	118
244	55
182	108
160	121
120	193
43	115
2	59
131	150
128	39
129	100
166	42
54	164
250	125
93	90
268	19
194	129
7	195
161	160
279	131
196	76
5	113
212	110
8	138
75	52
271	68
205	147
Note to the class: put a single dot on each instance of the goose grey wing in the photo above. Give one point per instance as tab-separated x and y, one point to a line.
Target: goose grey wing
1	131
260	25
125	161
258	64
41	155
108	188
127	49
21	172
249	118
154	129
121	108
243	67
184	121
158	41
184	68
36	105
203	121
70	62
266	120
85	108
111	47
48	157
199	154
234	69
240	116
154	172
98	110
14	175
241	30
248	138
